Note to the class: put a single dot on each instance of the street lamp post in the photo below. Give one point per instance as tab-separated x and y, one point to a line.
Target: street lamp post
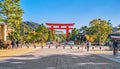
99	24
108	26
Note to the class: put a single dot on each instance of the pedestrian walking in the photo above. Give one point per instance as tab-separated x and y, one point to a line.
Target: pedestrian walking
17	43
110	44
115	47
13	44
88	44
82	44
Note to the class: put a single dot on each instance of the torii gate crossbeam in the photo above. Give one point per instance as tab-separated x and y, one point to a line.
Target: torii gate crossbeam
60	27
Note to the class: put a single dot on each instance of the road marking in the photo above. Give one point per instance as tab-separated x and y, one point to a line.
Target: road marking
4	61
92	63
25	58
17	62
50	68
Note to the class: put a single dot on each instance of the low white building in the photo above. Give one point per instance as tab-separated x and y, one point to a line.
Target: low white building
115	35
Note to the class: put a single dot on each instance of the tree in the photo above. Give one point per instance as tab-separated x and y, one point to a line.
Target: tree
74	33
11	14
1	14
52	35
42	33
0	19
118	27
109	25
58	39
99	30
83	29
69	36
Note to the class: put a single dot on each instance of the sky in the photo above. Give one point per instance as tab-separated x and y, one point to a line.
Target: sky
80	12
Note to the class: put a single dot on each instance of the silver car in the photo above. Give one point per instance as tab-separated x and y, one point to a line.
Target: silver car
70	43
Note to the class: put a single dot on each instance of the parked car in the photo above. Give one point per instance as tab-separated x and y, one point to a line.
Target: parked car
70	43
58	44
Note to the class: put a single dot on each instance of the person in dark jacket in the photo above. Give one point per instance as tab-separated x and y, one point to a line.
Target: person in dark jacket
17	42
13	44
115	47
88	44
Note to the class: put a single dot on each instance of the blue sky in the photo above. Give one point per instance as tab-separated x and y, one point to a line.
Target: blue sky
80	12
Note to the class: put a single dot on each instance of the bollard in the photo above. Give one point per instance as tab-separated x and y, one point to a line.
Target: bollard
100	47
41	46
63	47
21	46
49	46
78	47
34	46
71	47
85	47
27	46
56	47
92	48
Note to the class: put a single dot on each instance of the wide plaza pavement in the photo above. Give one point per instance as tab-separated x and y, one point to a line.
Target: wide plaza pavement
45	58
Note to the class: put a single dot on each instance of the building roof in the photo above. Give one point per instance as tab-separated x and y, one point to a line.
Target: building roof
114	35
116	32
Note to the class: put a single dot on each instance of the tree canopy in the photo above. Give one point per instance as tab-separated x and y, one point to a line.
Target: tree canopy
98	30
11	15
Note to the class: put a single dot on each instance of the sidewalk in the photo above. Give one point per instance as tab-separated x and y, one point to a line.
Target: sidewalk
108	55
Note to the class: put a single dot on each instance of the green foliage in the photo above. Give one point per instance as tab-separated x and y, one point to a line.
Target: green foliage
69	36
118	28
14	36
11	14
42	33
58	39
74	33
0	19
30	37
99	30
51	35
61	38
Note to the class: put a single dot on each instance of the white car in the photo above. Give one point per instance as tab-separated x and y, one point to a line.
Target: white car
70	43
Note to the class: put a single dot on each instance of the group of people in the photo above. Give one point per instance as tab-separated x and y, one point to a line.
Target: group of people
15	43
113	45
87	44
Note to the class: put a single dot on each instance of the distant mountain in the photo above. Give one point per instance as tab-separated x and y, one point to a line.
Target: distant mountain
29	26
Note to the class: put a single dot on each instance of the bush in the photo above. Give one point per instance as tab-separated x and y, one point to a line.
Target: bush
3	45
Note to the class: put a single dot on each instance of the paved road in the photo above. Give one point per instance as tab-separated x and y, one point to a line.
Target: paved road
58	59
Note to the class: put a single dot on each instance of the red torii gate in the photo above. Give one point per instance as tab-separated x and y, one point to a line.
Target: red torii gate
59	27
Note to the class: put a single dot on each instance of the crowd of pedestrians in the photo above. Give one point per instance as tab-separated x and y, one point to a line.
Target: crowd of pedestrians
15	43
